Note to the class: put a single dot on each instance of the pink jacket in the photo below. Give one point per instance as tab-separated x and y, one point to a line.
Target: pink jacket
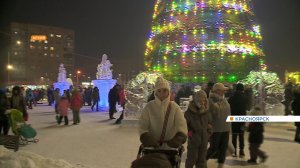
63	106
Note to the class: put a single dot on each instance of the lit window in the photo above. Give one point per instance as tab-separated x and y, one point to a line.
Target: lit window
31	40
51	48
46	41
51	35
58	35
45	54
31	47
45	48
16	32
16	53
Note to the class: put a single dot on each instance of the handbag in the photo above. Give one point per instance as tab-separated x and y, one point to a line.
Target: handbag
27	131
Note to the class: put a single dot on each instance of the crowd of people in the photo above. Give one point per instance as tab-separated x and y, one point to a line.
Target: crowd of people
204	122
74	98
162	123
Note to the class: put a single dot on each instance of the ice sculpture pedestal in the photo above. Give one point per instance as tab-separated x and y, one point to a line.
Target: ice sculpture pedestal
104	85
62	86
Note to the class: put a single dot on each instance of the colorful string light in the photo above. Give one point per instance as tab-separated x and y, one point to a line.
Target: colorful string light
201	40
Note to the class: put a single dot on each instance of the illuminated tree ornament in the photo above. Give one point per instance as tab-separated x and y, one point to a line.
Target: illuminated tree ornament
202	40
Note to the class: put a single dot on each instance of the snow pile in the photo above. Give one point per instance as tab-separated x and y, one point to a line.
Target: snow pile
23	159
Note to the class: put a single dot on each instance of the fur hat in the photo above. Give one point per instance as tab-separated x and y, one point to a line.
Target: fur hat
219	86
161	83
197	96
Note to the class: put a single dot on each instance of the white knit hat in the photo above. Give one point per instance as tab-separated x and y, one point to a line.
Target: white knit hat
161	83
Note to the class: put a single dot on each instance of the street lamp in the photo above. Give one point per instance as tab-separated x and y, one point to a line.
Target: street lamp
77	76
9	68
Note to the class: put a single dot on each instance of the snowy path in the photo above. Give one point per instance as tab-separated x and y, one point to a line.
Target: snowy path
97	143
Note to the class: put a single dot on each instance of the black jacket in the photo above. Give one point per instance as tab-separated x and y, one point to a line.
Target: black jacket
256	130
296	107
238	105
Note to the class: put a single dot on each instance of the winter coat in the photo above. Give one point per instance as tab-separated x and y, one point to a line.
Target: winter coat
56	96
18	102
219	109
63	106
4	105
122	97
197	123
113	95
76	101
153	116
256	130
296	107
29	95
238	106
95	94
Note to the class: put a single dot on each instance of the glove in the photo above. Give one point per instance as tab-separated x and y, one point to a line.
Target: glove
177	140
148	141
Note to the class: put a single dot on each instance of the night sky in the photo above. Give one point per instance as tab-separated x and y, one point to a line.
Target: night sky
120	29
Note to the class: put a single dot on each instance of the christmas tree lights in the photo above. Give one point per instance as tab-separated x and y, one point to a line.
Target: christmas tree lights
201	40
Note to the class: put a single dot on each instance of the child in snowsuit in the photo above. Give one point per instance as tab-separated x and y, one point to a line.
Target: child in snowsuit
76	104
199	130
63	106
256	137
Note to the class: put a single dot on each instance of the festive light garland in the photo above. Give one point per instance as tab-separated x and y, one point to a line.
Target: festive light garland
270	81
201	40
137	91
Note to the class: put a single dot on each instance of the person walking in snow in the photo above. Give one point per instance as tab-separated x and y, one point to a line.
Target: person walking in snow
238	105
219	109
18	102
29	98
151	122
199	129
4	121
256	138
113	99
57	100
96	98
76	104
63	107
296	111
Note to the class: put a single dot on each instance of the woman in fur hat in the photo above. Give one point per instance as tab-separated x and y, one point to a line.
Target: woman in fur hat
199	130
153	116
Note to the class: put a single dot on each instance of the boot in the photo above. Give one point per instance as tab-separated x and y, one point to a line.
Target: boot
242	153
66	120
234	153
59	120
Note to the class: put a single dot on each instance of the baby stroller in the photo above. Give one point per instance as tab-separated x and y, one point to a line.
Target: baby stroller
20	128
173	154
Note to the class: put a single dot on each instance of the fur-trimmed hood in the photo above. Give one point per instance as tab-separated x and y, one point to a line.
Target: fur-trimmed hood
196	110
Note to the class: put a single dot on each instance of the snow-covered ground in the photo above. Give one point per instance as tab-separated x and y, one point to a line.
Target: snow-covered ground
98	143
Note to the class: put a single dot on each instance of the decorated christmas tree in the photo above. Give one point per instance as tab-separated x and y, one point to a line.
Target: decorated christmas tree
202	40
